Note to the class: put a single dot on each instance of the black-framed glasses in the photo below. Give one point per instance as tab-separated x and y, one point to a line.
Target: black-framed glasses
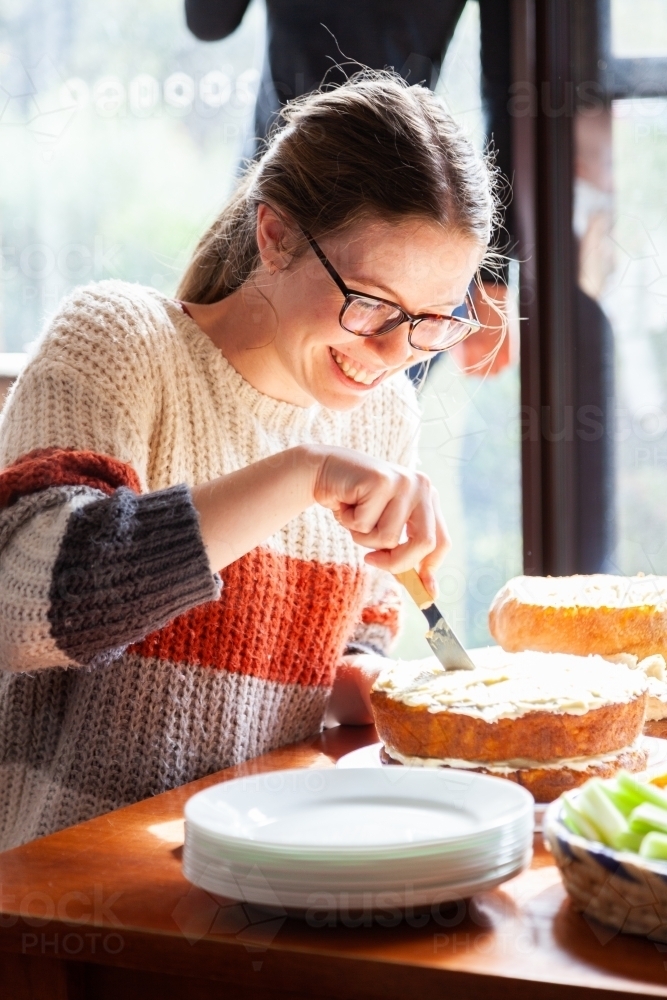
370	316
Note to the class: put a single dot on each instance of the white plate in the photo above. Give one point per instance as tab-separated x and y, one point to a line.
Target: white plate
657	751
370	810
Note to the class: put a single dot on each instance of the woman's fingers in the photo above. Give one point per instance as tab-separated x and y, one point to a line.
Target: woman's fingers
391	524
402	518
405	556
356	488
388	509
425	543
363	517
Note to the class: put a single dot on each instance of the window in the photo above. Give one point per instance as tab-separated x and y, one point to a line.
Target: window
120	138
634	295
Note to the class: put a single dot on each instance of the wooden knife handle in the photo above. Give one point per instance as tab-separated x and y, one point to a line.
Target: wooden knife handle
415	588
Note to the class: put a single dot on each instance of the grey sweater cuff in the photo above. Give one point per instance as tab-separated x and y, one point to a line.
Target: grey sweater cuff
126	566
353	648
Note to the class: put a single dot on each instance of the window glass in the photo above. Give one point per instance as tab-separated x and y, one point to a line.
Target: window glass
638	28
635	299
120	135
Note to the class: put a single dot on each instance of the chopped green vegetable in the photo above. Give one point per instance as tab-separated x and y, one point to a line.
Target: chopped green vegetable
654	845
648	817
645	792
622	812
601	811
571	824
629	841
584	827
624	801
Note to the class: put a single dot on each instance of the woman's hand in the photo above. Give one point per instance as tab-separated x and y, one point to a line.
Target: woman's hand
350	703
386	508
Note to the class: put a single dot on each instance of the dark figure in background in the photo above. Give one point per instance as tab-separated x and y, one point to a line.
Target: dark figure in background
308	39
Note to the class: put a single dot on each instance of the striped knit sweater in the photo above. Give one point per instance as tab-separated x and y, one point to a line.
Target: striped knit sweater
127	668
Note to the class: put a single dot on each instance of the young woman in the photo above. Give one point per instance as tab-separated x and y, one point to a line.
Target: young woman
203	499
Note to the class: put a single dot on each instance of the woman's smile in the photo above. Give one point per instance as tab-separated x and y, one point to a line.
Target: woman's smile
354	372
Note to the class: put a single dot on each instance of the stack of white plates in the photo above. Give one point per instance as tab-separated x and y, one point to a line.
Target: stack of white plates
353	839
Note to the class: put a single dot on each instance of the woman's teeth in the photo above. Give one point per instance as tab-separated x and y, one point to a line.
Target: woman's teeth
354	370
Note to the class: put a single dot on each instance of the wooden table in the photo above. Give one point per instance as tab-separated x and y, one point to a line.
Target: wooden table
101	910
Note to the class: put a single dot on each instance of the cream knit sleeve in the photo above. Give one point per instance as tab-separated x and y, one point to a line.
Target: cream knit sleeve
92	384
89	561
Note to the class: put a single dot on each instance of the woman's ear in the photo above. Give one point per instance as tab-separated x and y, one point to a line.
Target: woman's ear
271	239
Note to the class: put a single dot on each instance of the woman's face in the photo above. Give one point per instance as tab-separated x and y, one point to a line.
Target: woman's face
306	356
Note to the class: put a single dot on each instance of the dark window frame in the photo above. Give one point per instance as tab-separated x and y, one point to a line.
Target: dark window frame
561	56
621	77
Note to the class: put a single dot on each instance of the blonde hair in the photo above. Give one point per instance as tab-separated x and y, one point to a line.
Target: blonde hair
373	145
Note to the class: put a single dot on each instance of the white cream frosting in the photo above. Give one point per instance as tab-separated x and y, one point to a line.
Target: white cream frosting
656	707
599	590
510	685
520	764
655	669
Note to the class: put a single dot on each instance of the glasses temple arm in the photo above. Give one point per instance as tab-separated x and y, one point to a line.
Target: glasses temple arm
327	264
471	306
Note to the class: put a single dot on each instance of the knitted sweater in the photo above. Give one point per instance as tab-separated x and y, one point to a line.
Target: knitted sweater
126	667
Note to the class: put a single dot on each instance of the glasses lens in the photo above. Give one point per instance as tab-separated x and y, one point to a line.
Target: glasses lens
439	334
369	317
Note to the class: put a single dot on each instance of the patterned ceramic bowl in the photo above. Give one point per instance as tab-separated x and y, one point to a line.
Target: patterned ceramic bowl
616	888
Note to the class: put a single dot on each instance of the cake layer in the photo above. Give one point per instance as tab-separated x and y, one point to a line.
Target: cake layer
534	706
656	727
502	768
582	614
548	781
508	685
538	736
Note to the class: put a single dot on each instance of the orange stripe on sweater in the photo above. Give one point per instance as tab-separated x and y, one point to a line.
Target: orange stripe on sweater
388	615
44	467
278	618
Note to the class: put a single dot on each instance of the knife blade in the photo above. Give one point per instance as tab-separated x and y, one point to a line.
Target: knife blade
440	636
